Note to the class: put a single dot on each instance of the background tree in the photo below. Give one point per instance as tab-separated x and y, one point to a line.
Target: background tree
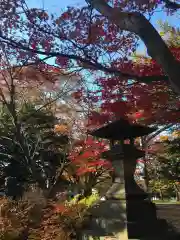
163	165
151	103
170	163
33	149
40	156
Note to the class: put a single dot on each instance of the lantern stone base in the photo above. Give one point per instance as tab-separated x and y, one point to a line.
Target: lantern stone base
141	216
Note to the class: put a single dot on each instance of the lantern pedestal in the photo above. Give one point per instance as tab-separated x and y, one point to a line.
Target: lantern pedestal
117	191
127	213
139	212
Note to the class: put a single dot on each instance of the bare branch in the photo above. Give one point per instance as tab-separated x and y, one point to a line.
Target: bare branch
158	132
171	5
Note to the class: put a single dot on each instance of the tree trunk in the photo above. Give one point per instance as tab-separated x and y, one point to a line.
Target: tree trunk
177	191
161	194
135	22
178	196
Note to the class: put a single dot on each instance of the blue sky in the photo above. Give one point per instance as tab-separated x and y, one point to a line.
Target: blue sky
56	6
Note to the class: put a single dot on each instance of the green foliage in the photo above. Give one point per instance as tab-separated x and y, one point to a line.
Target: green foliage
171	34
166	176
170	160
162	186
87	201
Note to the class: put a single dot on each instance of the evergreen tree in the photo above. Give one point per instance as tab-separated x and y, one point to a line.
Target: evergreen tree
170	163
34	157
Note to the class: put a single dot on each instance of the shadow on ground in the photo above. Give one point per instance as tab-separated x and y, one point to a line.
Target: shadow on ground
107	219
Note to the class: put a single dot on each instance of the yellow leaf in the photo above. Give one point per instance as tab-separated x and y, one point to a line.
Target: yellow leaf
61	129
163	138
176	134
162	34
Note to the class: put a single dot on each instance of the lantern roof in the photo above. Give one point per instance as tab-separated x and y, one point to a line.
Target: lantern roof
122	129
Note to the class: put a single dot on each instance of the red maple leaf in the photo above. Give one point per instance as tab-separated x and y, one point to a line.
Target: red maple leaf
62	61
60	208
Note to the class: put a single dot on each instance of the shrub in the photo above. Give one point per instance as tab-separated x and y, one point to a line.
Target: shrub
34	217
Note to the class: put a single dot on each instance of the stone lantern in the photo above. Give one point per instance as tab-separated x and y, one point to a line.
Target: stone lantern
136	206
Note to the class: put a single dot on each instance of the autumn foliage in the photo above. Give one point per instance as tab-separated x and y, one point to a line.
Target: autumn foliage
87	157
147	103
82	39
113	83
35	217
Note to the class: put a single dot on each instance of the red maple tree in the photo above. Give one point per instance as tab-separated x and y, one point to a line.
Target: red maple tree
81	37
88	166
150	103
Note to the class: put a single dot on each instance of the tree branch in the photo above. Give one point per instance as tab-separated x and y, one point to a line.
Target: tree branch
158	132
96	65
171	5
135	22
